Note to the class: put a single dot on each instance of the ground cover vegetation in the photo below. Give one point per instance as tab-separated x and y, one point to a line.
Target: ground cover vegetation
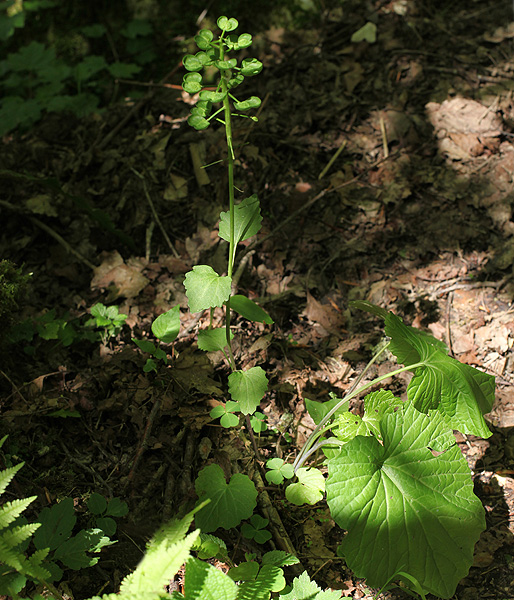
214	384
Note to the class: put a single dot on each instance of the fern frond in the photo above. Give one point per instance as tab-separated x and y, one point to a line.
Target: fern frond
7	474
17	535
34	568
11	557
12	510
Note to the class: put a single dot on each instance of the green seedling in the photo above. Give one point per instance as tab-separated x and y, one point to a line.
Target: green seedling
165	328
108	319
104	510
256	529
278	470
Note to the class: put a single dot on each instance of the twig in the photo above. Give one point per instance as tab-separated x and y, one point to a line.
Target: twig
63	243
144	442
85	467
154	213
384	136
332	160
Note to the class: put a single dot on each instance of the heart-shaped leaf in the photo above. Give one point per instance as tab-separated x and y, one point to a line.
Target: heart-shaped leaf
192	83
205	288
198	122
251	67
252	102
248	388
367	33
192	63
230	503
203	39
226	24
405	509
167	325
225	412
224	65
212	96
309	489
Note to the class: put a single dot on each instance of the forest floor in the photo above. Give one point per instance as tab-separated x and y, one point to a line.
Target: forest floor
414	214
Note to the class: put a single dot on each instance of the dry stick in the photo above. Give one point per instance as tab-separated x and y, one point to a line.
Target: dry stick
144	442
279	531
63	242
155	215
332	160
51	232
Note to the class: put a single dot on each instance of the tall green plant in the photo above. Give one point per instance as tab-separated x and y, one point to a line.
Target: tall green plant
205	288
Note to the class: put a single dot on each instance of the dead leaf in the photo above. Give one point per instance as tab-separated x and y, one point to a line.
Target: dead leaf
123	280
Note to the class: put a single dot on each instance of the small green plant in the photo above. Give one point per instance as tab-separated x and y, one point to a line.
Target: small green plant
108	319
37	79
104	510
397	481
165	328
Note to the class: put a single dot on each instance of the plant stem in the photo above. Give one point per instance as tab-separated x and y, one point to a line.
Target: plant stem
230	168
304	452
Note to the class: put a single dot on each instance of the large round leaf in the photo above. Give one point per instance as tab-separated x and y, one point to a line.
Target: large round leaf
405	509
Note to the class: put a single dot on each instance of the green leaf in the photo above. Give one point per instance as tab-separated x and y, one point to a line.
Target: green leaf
197	122
256	529
279	470
309	489
205	288
247	220
150	365
107	525
226	414
97	504
210	96
165	554
245	571
366	33
225	65
123	70
192	83
72	552
252	102
205	582
202	108
56	525
226	24
251	67
204	38
167	325
318	410
209	546
405	509
211	340
248	388
305	589
117	508
249	310
258	422
279	558
192	63
234	81
230	503
145	346
235	42
89	67
463	393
